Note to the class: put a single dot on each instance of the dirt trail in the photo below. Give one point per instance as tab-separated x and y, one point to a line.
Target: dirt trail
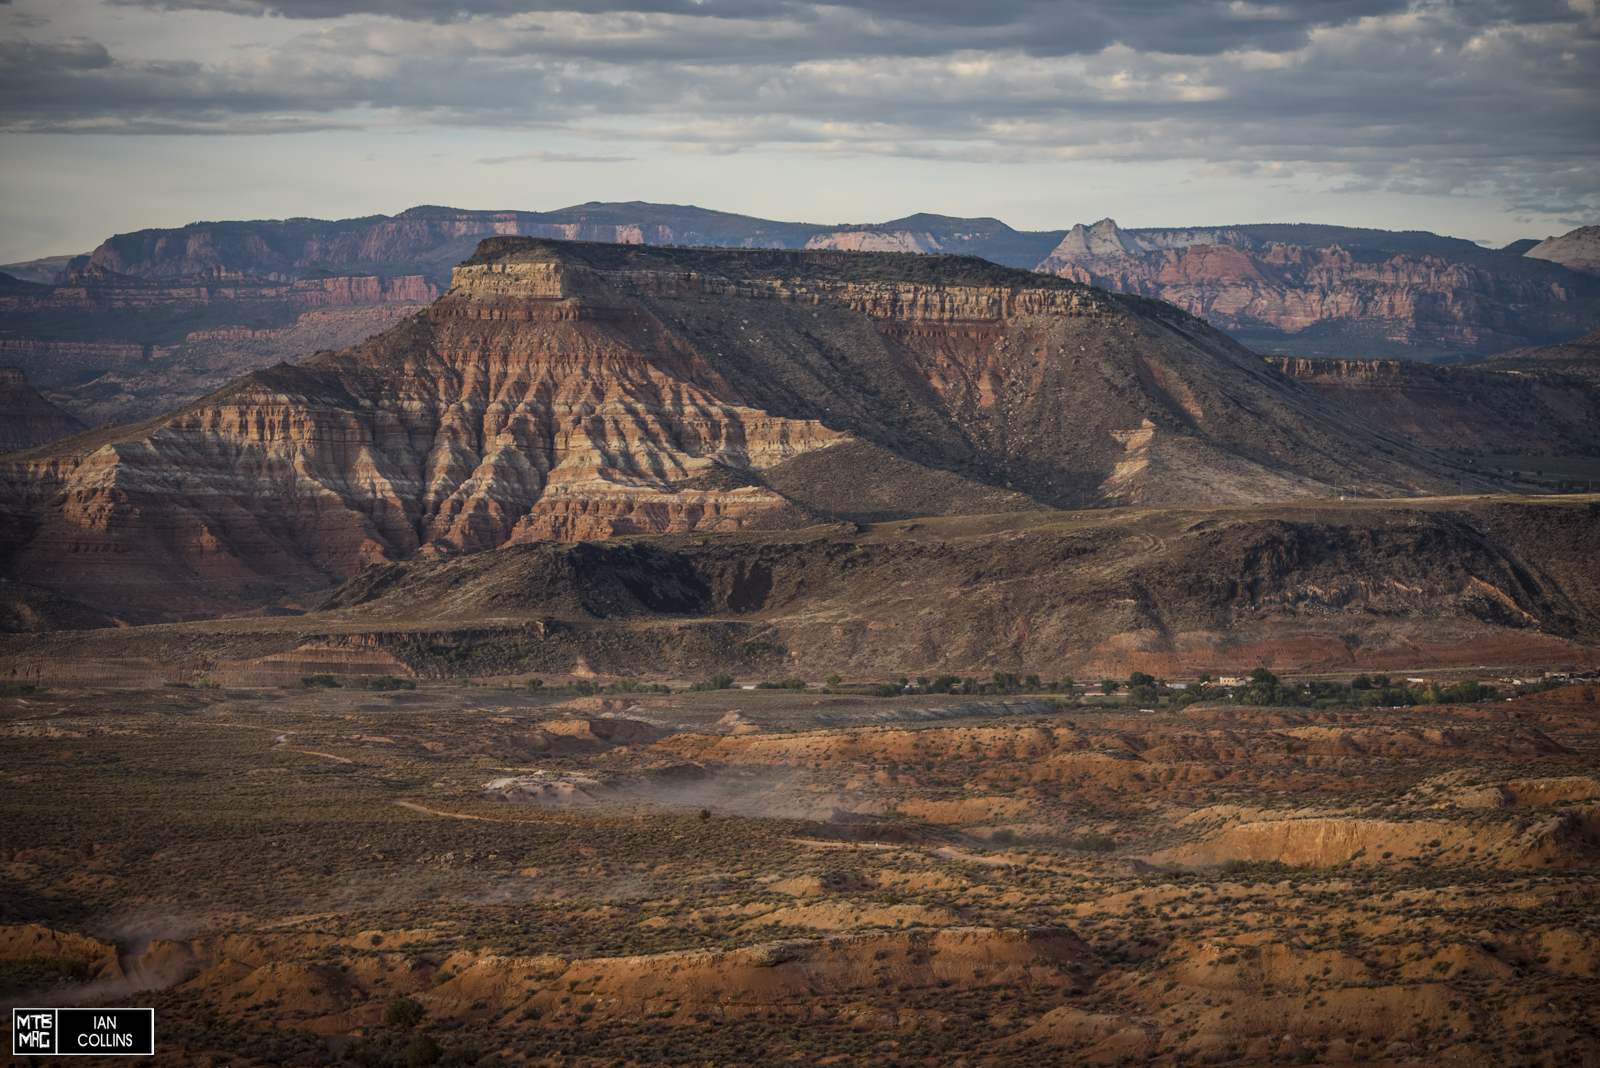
956	854
283	741
818	844
450	815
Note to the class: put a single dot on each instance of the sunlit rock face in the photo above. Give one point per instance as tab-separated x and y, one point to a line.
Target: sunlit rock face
570	391
1242	284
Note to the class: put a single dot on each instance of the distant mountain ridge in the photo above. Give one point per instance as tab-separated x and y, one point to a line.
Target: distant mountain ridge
428	236
1295	290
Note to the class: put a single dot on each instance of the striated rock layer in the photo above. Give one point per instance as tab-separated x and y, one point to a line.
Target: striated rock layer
1410	298
570	391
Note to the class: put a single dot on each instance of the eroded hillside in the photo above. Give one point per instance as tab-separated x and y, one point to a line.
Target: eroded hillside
1323	586
561	390
494	878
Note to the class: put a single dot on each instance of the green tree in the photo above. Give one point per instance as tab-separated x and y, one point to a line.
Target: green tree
1108	686
715	682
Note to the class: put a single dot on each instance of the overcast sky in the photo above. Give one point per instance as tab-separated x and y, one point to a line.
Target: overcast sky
1476	118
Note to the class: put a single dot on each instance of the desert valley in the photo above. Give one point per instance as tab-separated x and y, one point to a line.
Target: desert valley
642	635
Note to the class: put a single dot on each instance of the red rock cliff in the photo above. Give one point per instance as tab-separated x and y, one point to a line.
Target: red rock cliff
566	391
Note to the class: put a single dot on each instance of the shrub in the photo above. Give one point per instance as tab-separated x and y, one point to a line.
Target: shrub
1093	843
715	682
404	1014
782	684
313	682
383	682
1265	689
631	686
422	1052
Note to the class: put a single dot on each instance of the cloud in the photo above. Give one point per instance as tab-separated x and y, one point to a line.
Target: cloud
1433	97
542	156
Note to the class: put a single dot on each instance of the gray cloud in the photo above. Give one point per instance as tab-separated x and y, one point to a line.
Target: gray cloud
1434	97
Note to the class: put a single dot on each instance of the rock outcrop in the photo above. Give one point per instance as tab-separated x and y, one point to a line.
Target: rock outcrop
1577	249
94	289
110	347
27	419
1415	299
570	391
1452	406
567	390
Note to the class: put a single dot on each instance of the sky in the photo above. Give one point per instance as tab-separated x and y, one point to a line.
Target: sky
1474	118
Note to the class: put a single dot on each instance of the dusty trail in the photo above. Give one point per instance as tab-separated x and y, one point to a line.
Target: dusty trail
413	806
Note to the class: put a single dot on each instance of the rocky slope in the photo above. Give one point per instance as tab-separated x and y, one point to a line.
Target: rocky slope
1319	587
1326	587
1301	289
567	390
1458	302
110	347
1579	358
27	419
217	295
1539	409
1578	249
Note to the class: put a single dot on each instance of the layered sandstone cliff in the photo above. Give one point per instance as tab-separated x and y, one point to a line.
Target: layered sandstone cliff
93	289
1409	298
572	391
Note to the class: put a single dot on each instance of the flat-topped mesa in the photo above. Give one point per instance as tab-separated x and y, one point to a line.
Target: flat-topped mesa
572	391
531	278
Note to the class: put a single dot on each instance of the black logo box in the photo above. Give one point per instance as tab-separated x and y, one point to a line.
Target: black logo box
83	1032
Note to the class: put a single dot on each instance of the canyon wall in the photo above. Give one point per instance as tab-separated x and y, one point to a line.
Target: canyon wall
1412	299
